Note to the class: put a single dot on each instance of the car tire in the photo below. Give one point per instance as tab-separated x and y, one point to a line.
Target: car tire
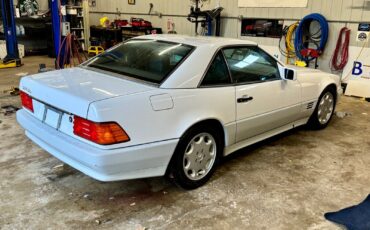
196	157
324	110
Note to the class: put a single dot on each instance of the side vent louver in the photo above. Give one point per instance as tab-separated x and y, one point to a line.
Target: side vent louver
310	105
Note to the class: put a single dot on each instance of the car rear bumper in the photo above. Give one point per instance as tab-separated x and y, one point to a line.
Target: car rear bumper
147	160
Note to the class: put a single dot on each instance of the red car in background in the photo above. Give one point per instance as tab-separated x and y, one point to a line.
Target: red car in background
121	23
139	22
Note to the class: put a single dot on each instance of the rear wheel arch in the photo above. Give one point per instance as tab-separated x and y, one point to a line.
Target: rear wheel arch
214	123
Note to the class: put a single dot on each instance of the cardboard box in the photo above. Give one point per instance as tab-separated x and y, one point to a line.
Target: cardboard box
3	50
358	87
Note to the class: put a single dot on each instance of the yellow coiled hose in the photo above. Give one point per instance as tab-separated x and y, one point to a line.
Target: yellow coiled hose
289	51
289	42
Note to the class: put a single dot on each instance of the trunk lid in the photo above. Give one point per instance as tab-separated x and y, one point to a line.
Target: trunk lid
73	90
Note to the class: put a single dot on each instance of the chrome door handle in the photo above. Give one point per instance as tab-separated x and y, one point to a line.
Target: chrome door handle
244	99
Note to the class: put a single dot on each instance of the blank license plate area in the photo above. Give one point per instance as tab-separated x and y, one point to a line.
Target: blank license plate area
52	118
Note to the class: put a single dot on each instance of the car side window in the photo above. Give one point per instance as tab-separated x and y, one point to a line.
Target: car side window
251	65
218	73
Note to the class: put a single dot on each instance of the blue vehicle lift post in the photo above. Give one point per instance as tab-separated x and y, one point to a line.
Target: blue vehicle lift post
12	58
55	17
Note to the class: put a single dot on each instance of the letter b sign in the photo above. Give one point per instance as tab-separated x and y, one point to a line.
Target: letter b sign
357	68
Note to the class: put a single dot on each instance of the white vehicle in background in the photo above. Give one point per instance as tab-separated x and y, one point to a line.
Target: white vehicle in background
170	105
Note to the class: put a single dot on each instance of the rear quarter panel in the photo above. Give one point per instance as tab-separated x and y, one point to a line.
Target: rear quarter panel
144	124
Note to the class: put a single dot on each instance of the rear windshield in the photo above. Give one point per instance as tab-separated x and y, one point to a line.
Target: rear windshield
147	60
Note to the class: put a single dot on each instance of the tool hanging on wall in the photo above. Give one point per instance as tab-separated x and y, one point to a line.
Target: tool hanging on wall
151	12
341	53
305	39
171	27
150	8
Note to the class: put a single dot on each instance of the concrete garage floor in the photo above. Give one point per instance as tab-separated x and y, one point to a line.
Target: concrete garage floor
287	182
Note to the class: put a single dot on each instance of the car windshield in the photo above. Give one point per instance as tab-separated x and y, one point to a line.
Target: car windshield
148	60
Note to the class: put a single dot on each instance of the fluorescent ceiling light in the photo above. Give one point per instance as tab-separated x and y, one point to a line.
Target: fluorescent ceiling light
169	49
250	59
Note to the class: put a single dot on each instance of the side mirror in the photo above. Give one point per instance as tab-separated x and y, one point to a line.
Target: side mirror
290	74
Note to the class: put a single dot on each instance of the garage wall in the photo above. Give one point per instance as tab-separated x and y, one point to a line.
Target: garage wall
339	13
43	4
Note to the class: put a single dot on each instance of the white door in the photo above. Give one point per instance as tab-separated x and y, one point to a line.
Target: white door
264	101
218	82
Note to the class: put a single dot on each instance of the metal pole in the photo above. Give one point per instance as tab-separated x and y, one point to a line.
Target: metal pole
7	8
55	17
196	18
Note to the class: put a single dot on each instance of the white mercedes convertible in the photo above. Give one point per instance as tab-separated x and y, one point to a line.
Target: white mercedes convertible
170	105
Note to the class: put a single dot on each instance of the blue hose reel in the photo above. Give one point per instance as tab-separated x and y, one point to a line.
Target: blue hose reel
303	37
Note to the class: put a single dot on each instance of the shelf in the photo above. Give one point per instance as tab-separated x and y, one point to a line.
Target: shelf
74	7
29	19
78	16
75	15
130	32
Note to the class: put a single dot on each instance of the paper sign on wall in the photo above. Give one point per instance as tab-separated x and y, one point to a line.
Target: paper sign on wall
363	32
272	3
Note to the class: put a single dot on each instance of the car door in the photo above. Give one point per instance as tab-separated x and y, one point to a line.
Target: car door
264	101
218	85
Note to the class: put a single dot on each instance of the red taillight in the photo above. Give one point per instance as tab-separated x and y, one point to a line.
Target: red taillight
106	133
26	101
